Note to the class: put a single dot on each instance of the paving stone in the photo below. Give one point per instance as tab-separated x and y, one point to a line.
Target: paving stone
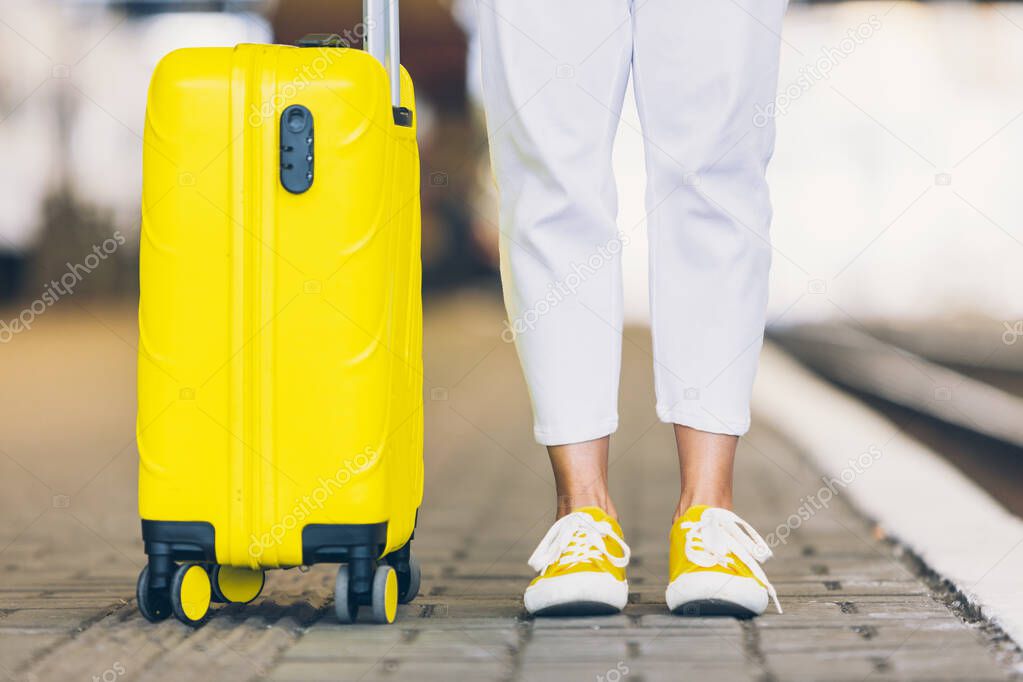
338	643
53	619
591	623
840	609
597	669
693	627
840	666
19	599
676	645
16	648
882	637
665	671
828	566
440	624
583	645
630	670
850	588
503	607
461	645
303	671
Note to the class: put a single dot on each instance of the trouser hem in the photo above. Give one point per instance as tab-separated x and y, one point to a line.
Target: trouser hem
564	435
704	422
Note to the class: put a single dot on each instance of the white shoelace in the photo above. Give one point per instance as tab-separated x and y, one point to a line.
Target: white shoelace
719	533
588	537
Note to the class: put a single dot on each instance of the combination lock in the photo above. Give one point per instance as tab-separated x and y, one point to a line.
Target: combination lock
297	150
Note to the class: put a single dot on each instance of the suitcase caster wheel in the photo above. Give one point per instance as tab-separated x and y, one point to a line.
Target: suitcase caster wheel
408	584
214	597
345	604
385	594
190	594
235	585
154	605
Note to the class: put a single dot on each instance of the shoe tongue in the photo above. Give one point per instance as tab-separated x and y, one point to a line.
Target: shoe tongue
694	513
599	514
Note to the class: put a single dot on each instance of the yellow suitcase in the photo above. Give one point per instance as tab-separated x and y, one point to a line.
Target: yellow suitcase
280	358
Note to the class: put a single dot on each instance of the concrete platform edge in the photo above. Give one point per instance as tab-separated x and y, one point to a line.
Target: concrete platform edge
957	529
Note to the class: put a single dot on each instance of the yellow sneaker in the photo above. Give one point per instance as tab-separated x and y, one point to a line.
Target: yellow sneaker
714	564
581	562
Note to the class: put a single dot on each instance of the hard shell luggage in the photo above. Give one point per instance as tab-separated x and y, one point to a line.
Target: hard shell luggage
280	414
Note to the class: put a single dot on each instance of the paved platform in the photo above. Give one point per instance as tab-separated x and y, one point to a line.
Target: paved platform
70	551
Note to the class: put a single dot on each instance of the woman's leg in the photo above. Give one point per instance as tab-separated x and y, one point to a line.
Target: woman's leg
554	77
705	72
705	462
580	476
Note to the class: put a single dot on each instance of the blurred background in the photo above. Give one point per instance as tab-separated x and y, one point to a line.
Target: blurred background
899	240
897	132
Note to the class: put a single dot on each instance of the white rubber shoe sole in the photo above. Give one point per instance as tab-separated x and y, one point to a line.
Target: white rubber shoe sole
577	594
709	593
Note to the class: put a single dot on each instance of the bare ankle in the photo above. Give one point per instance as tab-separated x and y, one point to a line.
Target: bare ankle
706	461
570	502
690	500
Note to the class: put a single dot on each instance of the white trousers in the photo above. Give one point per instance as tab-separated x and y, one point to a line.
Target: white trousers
705	72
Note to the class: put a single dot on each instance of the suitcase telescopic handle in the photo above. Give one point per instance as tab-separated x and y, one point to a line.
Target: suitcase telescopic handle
383	40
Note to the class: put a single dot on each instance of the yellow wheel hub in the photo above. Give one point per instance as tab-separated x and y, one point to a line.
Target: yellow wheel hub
195	593
391	596
239	585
